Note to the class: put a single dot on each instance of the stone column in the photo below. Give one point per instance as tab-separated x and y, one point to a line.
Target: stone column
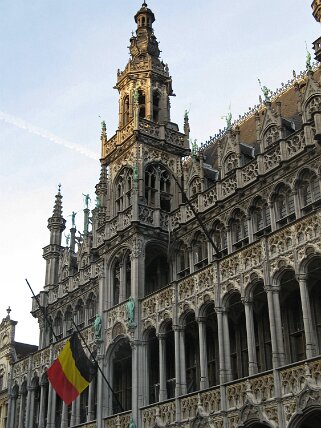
310	341
203	352
51	415
162	367
73	413
11	411
42	409
250	335
64	416
22	410
91	410
229	239
275	353
99	386
177	329
278	324
220	328
227	347
31	406
182	361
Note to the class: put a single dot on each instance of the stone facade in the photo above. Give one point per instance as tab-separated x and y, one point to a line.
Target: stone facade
225	330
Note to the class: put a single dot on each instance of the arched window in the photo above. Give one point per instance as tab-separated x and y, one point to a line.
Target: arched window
199	248
68	320
124	185
261	218
230	163
195	187
182	260
80	314
153	366
122	376
284	205
238	338
158	187
156	269
219	235
192	357
156	99
126	110
212	346
309	191
91	308
58	326
239	229
292	318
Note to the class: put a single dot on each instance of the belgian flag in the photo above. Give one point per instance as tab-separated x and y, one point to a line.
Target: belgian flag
72	371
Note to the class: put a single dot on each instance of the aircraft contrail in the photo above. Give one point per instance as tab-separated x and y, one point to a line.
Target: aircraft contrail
19	123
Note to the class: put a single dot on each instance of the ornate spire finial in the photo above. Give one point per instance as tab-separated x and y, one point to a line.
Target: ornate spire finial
57	211
308	59
144	4
8	312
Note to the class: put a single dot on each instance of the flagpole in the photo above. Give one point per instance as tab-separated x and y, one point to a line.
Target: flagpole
42	309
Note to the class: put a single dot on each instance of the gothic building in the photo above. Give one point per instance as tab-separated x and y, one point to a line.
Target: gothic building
218	251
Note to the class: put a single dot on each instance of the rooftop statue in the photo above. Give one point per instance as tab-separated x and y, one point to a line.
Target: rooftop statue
136	96
86	200
308	60
73	217
98	202
266	92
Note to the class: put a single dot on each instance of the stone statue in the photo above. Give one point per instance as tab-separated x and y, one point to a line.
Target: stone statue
194	147
67	239
135	173
103	126
86	200
266	92
131	423
97	327
73	217
228	119
130	310
308	61
98	202
186	115
136	96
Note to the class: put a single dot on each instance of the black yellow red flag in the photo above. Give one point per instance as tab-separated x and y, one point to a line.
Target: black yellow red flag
72	371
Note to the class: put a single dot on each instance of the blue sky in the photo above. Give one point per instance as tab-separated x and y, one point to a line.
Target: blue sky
58	66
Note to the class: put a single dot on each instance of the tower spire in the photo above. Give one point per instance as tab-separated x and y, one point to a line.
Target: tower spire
56	225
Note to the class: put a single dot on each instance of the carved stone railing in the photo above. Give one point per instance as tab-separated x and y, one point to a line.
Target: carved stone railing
118	421
149	128
158	306
165	412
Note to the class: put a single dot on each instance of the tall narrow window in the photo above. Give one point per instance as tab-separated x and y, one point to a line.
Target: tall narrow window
80	314
126	110
309	191
239	229
156	99
158	187
261	218
182	260
284	205
200	255
142	105
124	184
116	283
220	237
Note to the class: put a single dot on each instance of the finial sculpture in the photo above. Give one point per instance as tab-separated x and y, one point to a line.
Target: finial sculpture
86	200
186	115
308	60
73	218
67	239
194	148
97	327
228	119
266	92
59	187
8	312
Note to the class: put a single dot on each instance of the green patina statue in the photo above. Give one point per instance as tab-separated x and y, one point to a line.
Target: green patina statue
98	202
73	218
97	327
130	310
135	173
194	147
136	96
86	200
266	92
131	423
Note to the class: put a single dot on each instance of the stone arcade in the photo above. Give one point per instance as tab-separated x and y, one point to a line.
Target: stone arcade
228	339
